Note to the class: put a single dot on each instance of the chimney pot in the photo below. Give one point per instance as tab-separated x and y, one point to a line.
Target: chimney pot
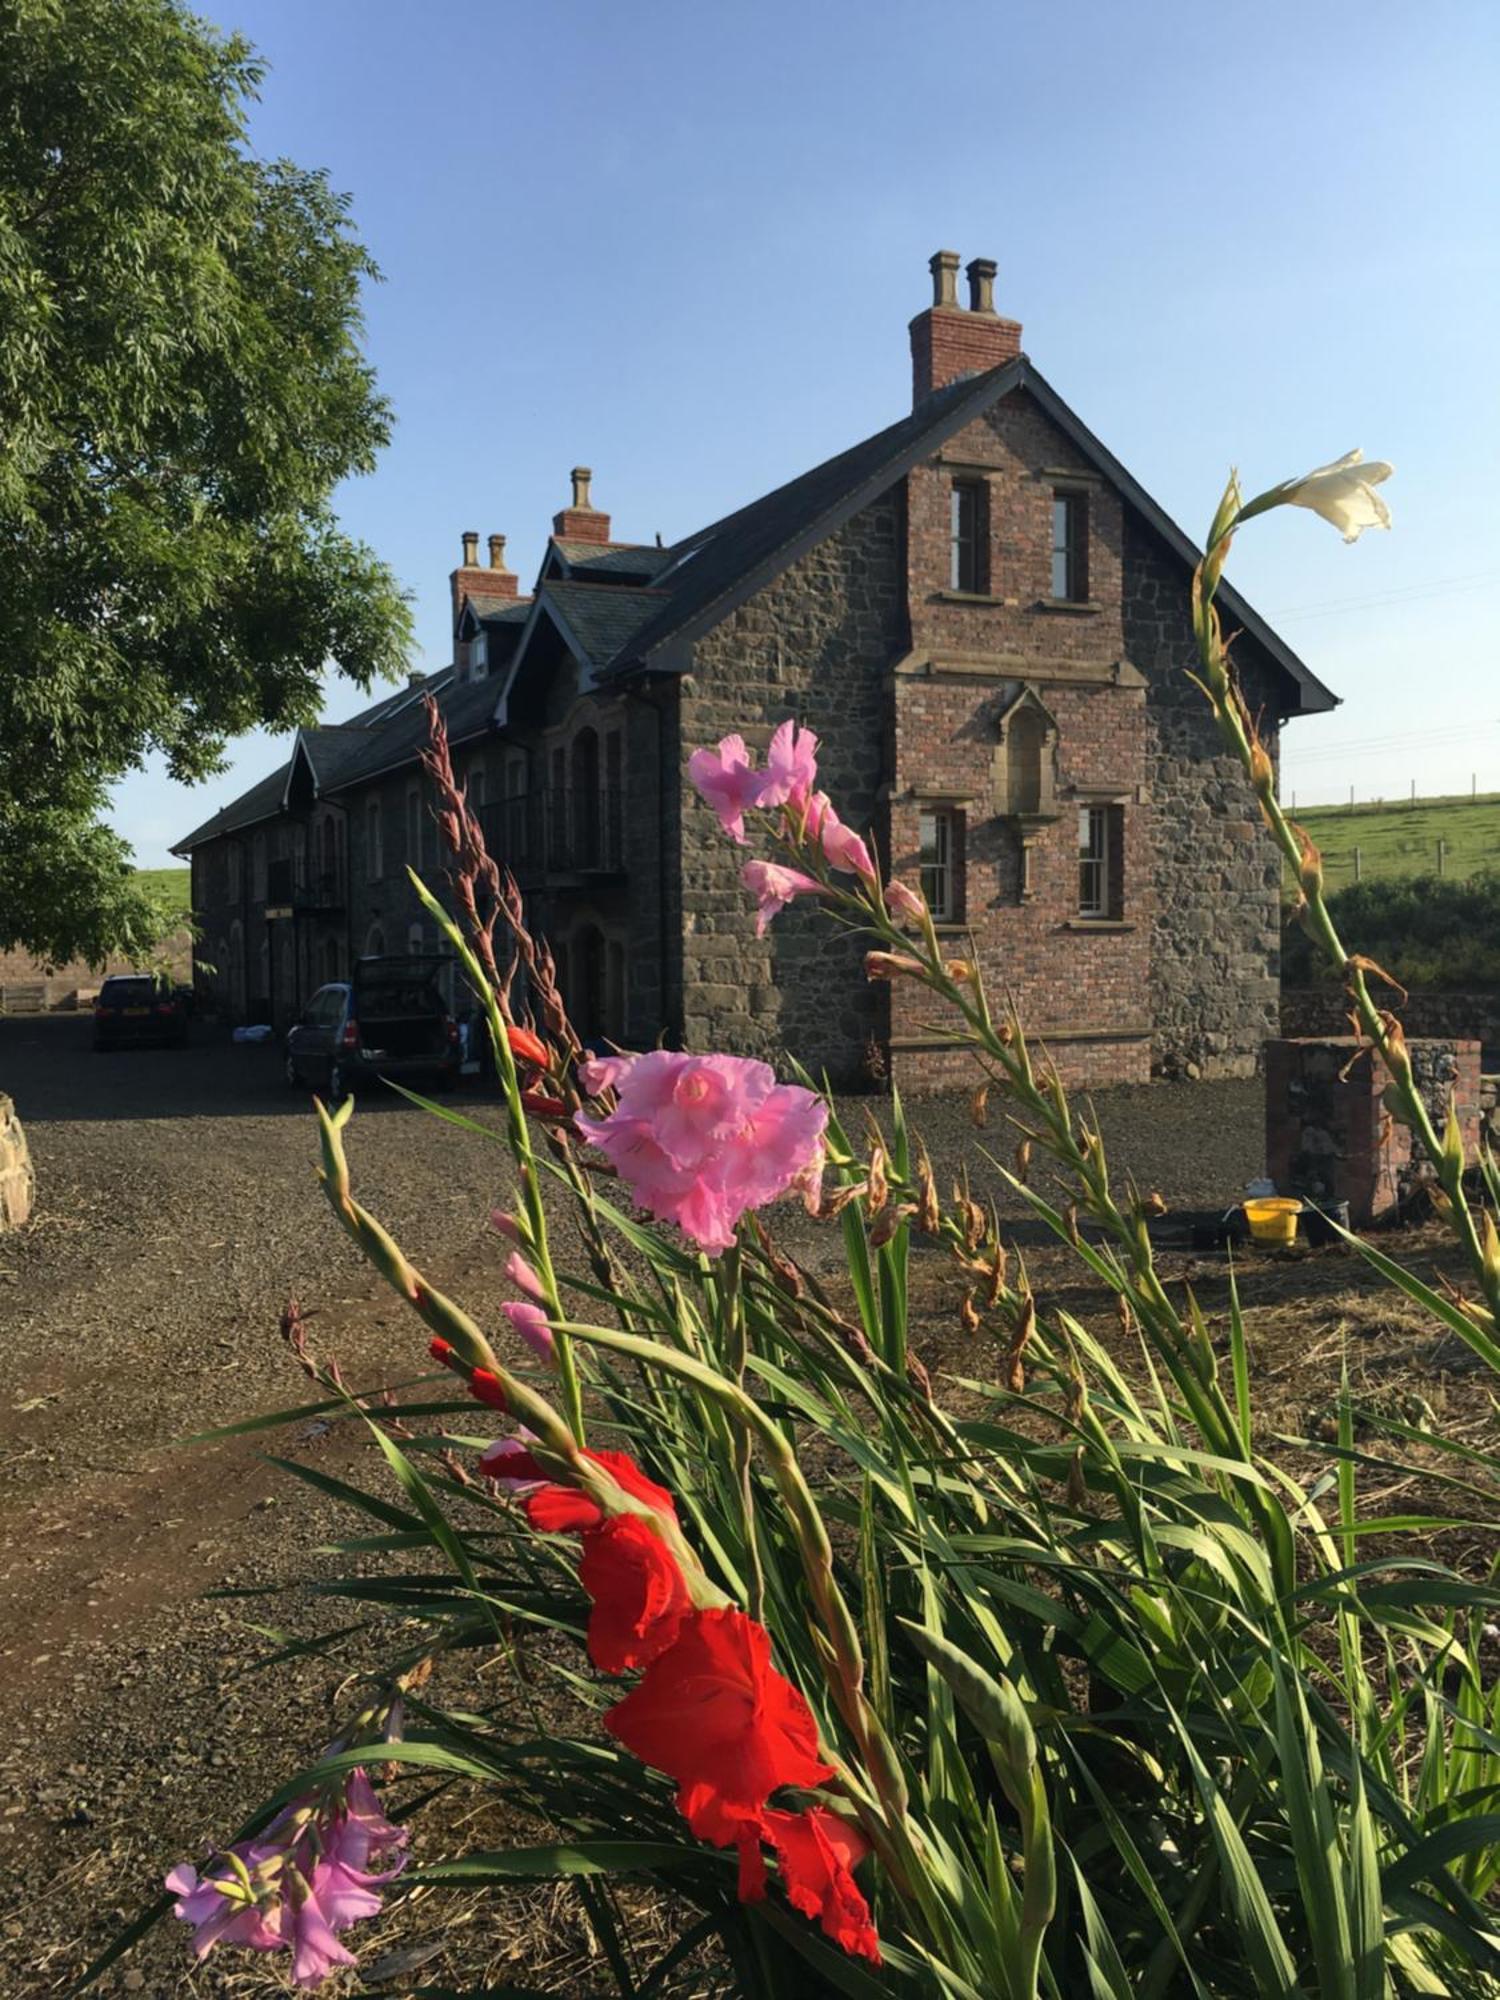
497	551
471	548
981	275
581	477
943	265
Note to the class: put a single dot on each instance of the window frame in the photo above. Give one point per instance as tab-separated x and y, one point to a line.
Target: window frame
1101	859
1072	550
414	827
941	878
968	548
374	840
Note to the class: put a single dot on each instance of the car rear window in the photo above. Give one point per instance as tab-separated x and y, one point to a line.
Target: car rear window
128	992
399	996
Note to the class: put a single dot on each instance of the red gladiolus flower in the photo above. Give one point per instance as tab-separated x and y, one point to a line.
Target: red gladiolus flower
440	1349
539	1105
527	1047
818	1853
563	1510
485	1387
713	1713
639	1596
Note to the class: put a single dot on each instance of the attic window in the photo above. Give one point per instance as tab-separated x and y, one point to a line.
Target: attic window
968	536
1070	547
479	656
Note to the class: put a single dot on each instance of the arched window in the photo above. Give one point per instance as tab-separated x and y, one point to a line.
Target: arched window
374	841
258	869
235	861
237	967
414	826
590	1002
585	784
474	787
332	960
375	942
414	938
614	1025
329	865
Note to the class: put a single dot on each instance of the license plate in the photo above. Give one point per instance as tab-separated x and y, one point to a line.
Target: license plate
132	1013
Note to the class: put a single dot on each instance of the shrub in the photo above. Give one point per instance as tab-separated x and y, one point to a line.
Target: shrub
1430	933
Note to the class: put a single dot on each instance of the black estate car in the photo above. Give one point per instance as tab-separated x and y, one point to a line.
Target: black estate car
139	1008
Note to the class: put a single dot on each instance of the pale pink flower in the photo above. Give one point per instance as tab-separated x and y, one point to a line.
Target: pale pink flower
215	1905
315	1949
773	887
524	1278
596	1074
528	1320
843	848
698	1140
507	1225
727	780
791	767
494	1459
903	902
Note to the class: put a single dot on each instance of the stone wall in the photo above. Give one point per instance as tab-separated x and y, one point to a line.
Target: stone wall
1216	936
1329	1135
1322	1010
17	1181
816	642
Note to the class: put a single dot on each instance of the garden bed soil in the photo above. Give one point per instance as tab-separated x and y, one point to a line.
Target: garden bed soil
177	1209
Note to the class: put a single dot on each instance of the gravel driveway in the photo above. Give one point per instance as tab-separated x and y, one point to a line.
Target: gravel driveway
177	1209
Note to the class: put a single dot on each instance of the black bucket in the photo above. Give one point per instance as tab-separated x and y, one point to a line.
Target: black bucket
1321	1225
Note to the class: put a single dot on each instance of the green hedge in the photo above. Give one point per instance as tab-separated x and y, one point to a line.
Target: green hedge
1426	931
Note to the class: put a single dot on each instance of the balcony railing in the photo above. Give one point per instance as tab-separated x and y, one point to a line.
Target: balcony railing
289	886
559	830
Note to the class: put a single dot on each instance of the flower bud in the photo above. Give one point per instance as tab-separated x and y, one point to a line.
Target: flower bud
440	1349
485	1387
892	965
888	1221
904	903
979	1107
968	1313
506	1224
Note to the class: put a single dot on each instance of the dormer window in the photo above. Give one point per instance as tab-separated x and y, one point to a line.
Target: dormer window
1070	548
479	656
969	537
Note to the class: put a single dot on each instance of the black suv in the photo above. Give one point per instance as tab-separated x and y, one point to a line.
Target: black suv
139	1007
390	1020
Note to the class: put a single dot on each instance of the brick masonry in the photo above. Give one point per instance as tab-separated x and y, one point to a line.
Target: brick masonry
1329	1136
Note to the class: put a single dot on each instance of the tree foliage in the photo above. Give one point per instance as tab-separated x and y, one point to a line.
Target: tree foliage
182	388
1426	930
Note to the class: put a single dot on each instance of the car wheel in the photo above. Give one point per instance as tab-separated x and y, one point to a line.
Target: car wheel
289	1071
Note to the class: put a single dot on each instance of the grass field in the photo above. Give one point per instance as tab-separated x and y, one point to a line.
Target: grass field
174	883
1399	838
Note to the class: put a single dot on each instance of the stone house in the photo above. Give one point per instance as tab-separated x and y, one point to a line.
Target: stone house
984	618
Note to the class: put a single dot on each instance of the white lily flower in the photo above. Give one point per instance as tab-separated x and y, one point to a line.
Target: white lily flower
1343	493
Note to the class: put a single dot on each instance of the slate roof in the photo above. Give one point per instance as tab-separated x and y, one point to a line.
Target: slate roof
708	573
495	610
602	619
612	559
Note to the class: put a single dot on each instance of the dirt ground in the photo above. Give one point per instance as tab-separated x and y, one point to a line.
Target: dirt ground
177	1209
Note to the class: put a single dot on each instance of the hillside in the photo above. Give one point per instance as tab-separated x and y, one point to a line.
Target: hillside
1398	839
173	883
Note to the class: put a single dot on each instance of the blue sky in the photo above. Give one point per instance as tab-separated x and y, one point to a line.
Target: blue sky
681	243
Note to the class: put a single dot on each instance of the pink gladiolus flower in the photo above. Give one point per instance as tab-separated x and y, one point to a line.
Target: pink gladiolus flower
903	902
530	1322
727	780
791	767
524	1278
773	887
309	1876
315	1949
496	1459
597	1074
698	1140
506	1224
843	848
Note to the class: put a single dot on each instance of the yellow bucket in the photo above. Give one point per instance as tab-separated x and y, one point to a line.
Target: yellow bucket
1273	1219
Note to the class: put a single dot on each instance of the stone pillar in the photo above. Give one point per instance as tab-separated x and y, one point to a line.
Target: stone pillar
17	1181
1329	1136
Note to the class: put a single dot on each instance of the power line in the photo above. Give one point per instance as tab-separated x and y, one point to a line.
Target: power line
1410	593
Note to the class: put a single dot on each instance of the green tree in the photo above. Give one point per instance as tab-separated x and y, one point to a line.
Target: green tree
182	387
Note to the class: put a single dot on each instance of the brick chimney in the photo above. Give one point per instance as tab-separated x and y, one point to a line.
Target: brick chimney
472	579
949	341
582	522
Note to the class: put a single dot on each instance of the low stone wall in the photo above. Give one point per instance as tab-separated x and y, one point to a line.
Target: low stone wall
1329	1135
17	1181
1322	1010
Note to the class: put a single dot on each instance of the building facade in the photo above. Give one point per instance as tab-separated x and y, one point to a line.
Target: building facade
986	622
